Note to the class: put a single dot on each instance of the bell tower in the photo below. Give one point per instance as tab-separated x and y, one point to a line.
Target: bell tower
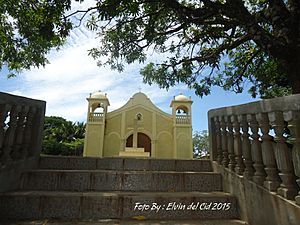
95	125
182	126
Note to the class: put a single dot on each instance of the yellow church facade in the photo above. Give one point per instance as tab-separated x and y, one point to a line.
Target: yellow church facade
139	128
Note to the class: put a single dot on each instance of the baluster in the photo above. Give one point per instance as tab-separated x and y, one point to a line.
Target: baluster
28	132
230	147
213	153
293	119
272	180
10	134
219	141
259	174
4	109
20	133
246	147
283	155
37	131
225	160
239	169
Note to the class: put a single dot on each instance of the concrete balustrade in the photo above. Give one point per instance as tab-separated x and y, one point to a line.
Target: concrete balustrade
183	119
261	136
261	143
96	117
21	131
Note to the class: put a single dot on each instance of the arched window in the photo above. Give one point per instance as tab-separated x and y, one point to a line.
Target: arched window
182	111
97	108
96	113
182	115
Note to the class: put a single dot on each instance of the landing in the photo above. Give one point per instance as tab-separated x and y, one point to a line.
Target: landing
123	163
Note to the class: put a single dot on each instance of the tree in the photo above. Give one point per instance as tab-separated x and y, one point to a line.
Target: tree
29	29
62	136
228	43
201	144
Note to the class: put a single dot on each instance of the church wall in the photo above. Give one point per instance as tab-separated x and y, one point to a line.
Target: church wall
112	144
95	135
184	142
164	124
164	145
112	140
113	124
161	131
144	124
164	129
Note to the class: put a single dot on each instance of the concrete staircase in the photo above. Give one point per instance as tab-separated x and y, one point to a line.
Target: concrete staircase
120	191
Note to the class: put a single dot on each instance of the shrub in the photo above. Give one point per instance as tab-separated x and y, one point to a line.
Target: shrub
74	147
51	147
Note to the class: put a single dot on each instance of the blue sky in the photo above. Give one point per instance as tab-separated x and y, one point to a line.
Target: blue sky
66	82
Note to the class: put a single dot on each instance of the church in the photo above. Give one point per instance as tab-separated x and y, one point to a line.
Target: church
138	128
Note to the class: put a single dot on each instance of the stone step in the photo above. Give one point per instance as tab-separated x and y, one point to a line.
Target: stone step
119	163
109	180
117	205
128	222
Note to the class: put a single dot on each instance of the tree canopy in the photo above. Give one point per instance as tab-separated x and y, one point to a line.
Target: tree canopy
234	44
28	31
229	43
200	144
62	137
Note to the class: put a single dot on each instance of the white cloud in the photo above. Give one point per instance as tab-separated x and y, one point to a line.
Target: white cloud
72	75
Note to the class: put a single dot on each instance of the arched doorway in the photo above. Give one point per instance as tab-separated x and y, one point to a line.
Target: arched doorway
143	142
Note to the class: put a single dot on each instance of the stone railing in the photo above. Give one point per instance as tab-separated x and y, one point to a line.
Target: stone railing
261	142
183	119
21	131
96	117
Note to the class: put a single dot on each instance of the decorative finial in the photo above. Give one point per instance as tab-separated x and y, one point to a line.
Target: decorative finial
140	89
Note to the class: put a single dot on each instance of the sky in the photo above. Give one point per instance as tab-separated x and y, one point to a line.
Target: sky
66	82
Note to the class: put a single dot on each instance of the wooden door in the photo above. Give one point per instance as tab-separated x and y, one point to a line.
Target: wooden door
143	142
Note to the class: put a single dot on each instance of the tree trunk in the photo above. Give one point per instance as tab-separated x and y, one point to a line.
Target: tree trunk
292	68
294	77
296	84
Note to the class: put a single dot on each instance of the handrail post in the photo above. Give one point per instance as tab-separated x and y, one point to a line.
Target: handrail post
219	140
239	168
283	155
230	141
246	147
225	159
272	181
293	119
259	174
212	139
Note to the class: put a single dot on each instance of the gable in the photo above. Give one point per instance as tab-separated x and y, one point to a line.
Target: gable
139	101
